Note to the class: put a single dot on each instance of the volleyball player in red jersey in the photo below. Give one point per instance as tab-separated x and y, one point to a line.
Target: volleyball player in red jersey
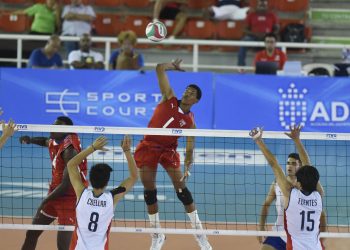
61	199
169	113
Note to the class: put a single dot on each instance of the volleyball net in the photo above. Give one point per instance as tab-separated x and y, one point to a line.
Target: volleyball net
229	180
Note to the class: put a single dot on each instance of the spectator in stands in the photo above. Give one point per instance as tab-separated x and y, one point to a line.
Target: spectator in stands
171	10
126	57
271	53
85	58
47	57
227	10
259	22
46	17
77	20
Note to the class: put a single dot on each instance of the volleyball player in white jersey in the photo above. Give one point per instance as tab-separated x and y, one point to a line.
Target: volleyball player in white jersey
302	201
275	194
95	208
294	162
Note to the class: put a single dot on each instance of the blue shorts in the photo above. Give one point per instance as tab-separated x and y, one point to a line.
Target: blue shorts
275	242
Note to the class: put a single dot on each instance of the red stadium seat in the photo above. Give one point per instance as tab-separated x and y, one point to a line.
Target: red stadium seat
230	30
108	3
86	2
15	23
292	5
137	24
200	4
200	29
136	3
15	1
271	4
169	24
107	24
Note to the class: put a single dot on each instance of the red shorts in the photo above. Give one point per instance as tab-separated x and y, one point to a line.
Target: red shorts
61	208
150	154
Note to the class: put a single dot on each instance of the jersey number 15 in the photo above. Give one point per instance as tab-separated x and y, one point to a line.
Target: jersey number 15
308	220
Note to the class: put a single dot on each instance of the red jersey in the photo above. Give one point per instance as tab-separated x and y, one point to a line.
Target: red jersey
58	163
168	114
261	22
277	56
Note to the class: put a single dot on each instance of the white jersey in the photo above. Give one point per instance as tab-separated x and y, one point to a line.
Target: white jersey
279	224
303	221
94	216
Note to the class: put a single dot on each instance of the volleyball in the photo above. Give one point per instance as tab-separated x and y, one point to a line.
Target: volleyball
156	31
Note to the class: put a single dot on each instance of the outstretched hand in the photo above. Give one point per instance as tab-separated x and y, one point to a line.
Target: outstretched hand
176	64
294	132
9	129
126	143
100	143
256	133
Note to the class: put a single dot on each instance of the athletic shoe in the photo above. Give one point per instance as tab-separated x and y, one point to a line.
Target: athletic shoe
157	241
203	242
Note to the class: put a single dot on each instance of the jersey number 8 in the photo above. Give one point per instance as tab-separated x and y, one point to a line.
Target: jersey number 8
93	222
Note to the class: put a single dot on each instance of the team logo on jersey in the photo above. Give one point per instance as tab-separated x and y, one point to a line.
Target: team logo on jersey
182	123
292	106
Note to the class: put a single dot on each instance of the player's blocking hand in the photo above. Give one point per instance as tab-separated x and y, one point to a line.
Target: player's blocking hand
100	143
294	132
9	129
126	143
256	133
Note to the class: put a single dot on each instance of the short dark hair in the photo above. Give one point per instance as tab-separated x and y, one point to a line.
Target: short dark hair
99	175
199	91
65	119
308	177
295	156
270	35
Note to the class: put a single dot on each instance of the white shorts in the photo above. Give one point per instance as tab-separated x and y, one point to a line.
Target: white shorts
230	12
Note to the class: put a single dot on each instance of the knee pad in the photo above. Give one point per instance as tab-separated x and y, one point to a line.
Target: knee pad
185	196
150	196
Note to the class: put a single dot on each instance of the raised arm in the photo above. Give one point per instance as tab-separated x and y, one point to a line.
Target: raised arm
129	182
41	141
73	164
271	196
281	179
7	131
294	134
163	81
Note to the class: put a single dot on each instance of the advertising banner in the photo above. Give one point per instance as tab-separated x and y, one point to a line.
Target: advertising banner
318	103
104	98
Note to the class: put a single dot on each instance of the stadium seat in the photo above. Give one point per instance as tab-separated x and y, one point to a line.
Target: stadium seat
272	4
14	23
136	3
200	29
108	3
292	5
137	24
195	4
230	30
107	24
15	1
284	22
86	2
